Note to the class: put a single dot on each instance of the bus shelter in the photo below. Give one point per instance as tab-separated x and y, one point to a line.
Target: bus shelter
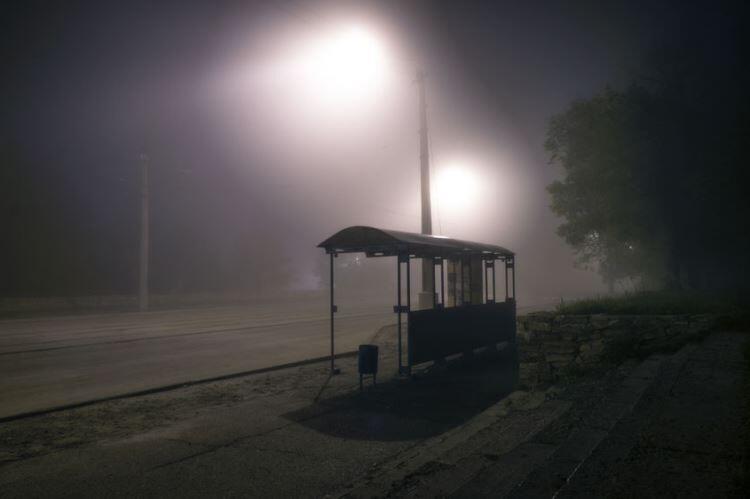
465	313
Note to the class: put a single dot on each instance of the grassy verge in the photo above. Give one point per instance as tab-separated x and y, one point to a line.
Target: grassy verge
745	471
658	303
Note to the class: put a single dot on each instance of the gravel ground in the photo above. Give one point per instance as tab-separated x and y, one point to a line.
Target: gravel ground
119	419
246	436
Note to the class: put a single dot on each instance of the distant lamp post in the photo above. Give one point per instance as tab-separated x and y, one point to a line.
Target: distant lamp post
144	243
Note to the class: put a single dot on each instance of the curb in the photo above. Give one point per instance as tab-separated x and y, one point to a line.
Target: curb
174	386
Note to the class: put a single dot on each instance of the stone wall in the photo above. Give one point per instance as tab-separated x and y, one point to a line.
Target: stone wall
553	345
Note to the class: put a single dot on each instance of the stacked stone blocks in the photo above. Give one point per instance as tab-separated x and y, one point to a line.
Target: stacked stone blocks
552	345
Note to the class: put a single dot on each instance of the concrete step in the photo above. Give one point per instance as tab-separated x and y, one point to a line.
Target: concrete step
497	454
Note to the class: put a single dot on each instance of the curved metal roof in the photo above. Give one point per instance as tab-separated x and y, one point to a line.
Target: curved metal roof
382	242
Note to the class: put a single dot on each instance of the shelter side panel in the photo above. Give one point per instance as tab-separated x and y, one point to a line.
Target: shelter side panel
438	333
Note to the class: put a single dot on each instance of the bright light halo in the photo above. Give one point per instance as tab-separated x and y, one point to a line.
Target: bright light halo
456	189
346	67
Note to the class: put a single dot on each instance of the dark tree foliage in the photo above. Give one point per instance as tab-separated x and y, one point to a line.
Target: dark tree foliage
655	182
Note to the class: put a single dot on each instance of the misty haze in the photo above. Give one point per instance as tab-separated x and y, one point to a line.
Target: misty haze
374	249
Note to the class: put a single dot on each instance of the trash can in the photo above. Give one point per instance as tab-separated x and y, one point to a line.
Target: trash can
368	362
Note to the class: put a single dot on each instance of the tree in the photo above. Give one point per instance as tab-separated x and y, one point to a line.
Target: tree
608	215
655	178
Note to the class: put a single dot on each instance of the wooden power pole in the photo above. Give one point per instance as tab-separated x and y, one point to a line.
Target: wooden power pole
427	293
144	250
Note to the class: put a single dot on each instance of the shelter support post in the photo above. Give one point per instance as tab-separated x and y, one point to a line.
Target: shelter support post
486	270
506	280
333	311
442	282
434	264
408	305
494	287
398	306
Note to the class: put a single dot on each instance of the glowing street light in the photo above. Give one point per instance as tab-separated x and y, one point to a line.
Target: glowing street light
349	66
456	188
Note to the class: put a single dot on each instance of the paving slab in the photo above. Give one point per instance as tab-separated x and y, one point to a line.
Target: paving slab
683	438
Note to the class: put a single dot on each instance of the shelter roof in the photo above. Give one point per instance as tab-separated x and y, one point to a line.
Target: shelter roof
381	242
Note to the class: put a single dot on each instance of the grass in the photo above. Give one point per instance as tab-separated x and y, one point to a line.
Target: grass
657	303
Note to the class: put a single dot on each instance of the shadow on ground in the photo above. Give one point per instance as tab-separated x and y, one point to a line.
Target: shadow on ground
431	402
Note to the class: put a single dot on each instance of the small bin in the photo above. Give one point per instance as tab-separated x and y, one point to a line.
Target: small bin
368	362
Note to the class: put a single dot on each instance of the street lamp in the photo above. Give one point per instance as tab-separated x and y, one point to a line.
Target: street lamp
347	68
456	187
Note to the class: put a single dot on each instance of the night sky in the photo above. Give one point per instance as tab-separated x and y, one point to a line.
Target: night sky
87	86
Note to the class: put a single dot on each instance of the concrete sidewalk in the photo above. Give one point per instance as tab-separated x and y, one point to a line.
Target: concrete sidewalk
670	426
684	438
667	425
291	433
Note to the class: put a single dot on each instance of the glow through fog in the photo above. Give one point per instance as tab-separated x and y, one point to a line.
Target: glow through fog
345	67
456	189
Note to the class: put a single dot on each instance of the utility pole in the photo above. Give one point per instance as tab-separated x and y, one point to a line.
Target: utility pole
427	293
143	275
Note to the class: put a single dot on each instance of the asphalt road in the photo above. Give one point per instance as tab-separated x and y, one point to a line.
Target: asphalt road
50	362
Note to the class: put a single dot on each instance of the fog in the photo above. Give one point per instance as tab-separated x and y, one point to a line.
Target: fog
257	155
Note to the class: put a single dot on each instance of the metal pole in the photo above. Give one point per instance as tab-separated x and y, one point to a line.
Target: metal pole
408	302
408	283
434	295
427	294
424	157
143	274
333	310
486	281
494	288
398	300
442	282
514	278
506	280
